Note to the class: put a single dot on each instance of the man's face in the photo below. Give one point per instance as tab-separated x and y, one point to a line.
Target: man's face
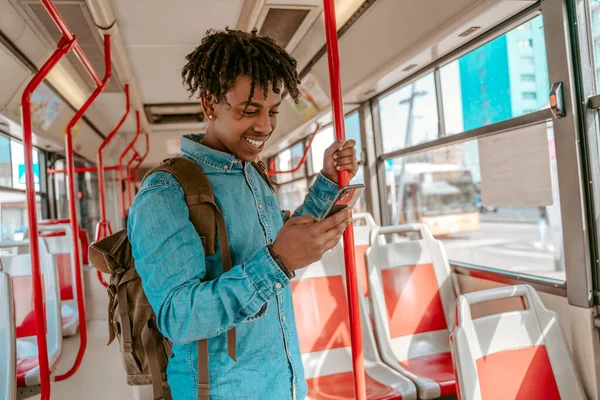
242	128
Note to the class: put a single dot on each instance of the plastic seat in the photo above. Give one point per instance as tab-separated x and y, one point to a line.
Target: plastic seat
60	243
413	295
321	310
8	352
19	268
513	355
363	226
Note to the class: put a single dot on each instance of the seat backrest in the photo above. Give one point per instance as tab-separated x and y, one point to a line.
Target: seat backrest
59	239
8	354
363	226
321	311
513	355
412	293
19	268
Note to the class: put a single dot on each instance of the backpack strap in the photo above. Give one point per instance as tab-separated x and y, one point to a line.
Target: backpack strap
261	168
207	218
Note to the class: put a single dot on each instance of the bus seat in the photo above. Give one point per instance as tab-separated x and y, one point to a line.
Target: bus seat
513	355
413	295
19	268
321	310
59	240
8	356
363	225
84	240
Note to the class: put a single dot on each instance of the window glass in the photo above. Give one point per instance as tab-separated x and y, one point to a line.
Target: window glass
288	160
18	166
322	141
5	162
441	188
409	115
503	79
13	215
595	28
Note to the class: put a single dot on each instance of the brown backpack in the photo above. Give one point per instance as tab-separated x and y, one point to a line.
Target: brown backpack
130	317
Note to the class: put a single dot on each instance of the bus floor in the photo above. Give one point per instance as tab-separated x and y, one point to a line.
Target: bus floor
100	375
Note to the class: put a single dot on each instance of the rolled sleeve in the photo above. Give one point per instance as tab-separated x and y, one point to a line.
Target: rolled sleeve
265	275
319	197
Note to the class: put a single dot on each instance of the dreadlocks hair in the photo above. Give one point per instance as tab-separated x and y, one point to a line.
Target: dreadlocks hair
222	56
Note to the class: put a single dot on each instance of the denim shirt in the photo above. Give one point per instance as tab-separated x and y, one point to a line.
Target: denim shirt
194	300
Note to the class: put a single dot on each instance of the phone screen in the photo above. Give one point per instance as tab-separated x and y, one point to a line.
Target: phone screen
346	197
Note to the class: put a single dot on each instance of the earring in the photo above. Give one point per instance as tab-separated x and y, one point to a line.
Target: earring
211	117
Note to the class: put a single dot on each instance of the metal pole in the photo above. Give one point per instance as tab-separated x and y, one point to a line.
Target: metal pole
64	46
129	147
103	227
73	211
340	134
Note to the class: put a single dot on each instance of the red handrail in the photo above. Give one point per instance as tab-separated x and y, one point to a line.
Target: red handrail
343	180
53	234
48	222
63	47
135	157
139	164
103	227
82	170
129	147
302	160
67	43
73	210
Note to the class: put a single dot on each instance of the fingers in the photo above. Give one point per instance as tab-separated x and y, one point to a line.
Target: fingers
336	219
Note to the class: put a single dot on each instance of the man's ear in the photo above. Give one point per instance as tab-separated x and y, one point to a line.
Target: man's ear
208	105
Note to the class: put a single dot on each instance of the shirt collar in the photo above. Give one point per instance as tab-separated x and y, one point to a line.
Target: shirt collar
192	148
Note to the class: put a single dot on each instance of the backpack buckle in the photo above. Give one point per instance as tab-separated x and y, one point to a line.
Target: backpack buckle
112	291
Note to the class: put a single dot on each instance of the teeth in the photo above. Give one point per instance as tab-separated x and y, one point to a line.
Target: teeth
255	143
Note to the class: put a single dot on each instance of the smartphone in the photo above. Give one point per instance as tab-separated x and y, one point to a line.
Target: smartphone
346	197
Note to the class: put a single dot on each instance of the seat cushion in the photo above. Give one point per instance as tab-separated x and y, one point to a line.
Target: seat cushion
24	365
341	387
437	367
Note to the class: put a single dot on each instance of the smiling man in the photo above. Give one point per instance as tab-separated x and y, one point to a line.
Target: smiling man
239	78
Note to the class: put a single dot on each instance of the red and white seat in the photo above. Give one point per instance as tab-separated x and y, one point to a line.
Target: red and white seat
60	243
363	226
514	355
8	356
321	310
19	268
413	296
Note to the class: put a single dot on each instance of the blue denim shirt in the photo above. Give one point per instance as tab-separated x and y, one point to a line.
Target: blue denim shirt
194	300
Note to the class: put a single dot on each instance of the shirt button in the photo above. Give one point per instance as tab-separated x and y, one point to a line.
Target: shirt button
289	354
278	286
225	166
282	319
260	206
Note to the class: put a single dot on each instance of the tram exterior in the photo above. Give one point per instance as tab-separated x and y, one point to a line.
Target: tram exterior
441	196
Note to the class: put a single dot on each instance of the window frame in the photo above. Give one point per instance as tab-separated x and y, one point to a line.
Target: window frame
576	255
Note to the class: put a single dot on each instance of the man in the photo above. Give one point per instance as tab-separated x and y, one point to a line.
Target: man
238	77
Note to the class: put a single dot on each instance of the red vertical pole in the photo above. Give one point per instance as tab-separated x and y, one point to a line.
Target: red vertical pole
139	164
340	134
129	163
64	46
73	210
103	228
129	147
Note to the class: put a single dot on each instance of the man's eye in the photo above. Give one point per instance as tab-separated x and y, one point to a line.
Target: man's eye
274	112
250	113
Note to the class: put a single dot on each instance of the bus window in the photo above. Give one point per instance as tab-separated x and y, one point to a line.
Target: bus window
409	115
441	189
503	79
